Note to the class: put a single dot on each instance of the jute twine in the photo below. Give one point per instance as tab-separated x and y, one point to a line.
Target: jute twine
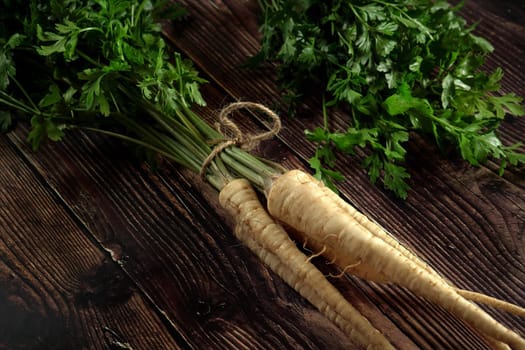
247	142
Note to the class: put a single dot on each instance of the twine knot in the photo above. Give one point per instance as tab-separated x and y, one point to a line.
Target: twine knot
238	138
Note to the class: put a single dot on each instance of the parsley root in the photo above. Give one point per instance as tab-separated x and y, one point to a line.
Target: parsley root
270	242
363	270
290	200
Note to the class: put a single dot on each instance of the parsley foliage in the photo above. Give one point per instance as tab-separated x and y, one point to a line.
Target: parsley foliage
67	63
397	66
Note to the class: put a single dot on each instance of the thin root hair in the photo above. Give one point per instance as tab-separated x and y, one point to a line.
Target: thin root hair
315	255
347	267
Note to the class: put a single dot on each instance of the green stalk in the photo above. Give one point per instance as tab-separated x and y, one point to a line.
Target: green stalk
190	148
189	132
17	104
206	130
262	167
245	171
133	140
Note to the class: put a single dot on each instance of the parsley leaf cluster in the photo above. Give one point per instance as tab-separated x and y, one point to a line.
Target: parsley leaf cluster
396	67
67	63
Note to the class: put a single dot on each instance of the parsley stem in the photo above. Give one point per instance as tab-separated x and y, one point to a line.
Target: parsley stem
247	172
325	114
356	14
89	29
133	140
186	137
207	131
26	95
87	58
17	104
201	148
174	153
265	168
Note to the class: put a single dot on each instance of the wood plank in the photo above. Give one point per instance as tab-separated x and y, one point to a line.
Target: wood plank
58	288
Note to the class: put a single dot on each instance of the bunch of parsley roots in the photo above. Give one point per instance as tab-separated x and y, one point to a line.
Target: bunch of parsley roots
395	66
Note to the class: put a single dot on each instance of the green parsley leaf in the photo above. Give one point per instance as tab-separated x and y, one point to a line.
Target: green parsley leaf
6	121
42	129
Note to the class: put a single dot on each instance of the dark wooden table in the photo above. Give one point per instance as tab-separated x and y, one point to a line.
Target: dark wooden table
100	252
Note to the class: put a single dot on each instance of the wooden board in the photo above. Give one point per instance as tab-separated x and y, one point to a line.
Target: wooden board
100	252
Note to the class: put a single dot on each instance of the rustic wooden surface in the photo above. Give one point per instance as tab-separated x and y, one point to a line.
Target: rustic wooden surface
100	252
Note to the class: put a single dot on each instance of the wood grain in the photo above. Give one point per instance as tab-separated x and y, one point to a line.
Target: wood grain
98	251
58	288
